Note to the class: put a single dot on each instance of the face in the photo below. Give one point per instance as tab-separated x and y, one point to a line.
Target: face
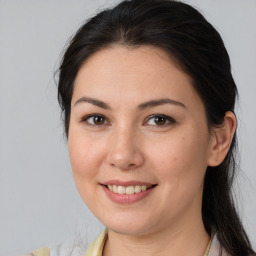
138	140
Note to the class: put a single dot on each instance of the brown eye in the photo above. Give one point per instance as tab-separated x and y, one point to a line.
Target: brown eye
159	120
96	120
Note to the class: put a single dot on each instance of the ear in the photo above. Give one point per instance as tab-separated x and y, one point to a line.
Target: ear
221	140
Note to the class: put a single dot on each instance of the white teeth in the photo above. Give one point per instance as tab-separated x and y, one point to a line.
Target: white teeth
121	190
137	189
130	190
114	188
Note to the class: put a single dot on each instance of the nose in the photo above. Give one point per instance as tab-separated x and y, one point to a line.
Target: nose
125	150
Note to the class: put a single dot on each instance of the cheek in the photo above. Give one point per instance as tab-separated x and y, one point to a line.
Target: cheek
180	159
85	156
180	167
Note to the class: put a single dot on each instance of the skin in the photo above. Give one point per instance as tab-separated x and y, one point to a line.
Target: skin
129	144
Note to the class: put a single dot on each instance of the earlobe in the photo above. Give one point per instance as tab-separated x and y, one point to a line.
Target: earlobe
222	137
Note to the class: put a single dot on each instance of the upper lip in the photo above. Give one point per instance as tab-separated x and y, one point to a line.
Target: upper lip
127	183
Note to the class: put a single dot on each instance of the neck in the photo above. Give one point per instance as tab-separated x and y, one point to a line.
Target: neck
176	241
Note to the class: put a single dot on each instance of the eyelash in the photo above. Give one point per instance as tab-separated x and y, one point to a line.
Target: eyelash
86	118
167	120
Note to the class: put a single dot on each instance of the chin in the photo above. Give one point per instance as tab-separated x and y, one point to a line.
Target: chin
128	230
128	225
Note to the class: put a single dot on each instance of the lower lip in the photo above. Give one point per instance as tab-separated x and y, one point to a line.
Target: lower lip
127	199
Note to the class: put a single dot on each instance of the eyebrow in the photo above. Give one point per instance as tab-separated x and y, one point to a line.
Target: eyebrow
142	106
93	101
155	103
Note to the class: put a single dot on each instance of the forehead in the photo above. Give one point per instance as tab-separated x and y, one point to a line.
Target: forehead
129	60
132	73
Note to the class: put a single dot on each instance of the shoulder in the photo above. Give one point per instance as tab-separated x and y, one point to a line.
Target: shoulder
41	252
67	248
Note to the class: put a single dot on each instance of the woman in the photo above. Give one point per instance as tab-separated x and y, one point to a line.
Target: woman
148	101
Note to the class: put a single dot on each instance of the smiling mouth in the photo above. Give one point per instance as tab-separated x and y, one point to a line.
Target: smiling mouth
128	190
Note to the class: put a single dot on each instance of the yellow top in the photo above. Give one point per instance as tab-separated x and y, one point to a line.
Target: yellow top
96	248
42	252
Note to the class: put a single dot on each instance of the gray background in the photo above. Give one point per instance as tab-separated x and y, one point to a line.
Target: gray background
39	204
